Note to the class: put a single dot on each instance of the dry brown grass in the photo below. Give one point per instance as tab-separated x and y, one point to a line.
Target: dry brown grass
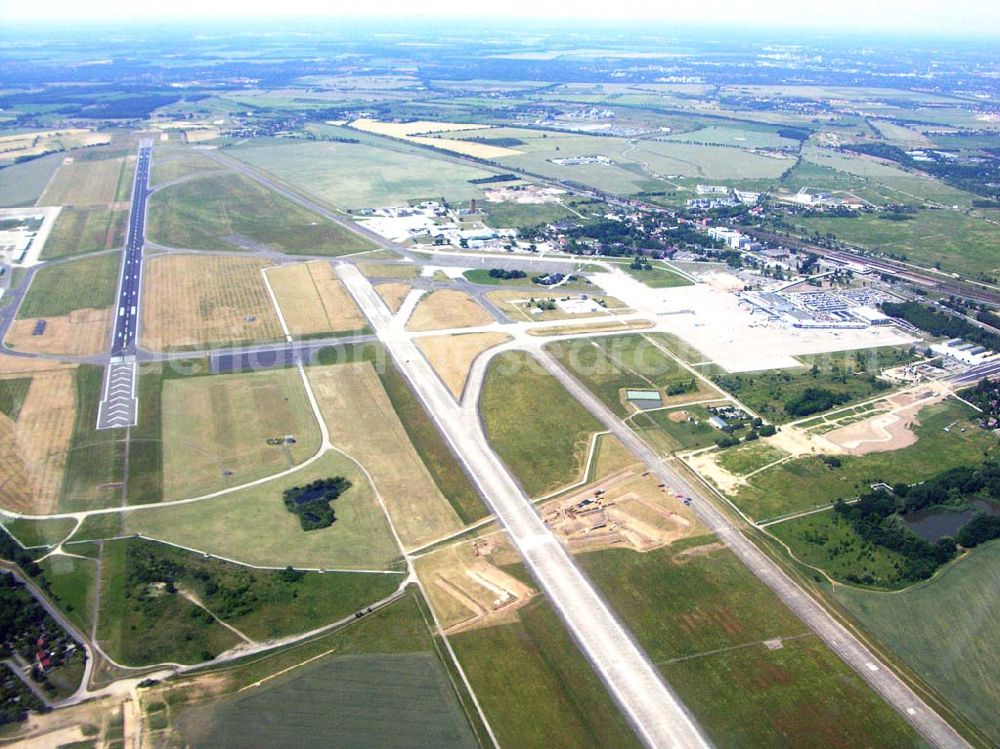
600	327
313	300
85	183
466	586
611	456
445	309
414	133
195	300
393	294
362	422
33	449
452	355
20	365
404	271
80	333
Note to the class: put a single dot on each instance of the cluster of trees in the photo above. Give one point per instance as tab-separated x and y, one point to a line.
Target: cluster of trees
506	275
877	516
758	429
814	400
16	699
494	178
986	397
940	323
311	503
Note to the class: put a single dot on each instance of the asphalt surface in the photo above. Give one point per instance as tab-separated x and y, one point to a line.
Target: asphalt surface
659	717
126	327
882	679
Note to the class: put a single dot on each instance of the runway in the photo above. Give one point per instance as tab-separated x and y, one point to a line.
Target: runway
119	404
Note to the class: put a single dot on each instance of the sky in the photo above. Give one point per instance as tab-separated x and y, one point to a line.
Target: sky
947	17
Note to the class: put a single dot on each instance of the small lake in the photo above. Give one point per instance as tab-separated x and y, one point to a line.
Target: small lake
938	522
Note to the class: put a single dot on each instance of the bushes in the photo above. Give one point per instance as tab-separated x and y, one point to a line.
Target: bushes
814	400
980	529
312	501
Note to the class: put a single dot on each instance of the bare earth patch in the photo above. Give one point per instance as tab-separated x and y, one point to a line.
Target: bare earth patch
445	309
886	431
80	333
362	423
33	449
313	300
195	300
452	355
466	587
628	508
393	294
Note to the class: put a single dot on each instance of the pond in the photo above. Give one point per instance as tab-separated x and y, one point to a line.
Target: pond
938	522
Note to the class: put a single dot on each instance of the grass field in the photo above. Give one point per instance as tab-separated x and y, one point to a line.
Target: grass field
807	482
22	184
359	175
88	183
749	457
313	300
533	424
945	629
193	301
608	365
367	671
702	618
176	163
82	332
519	215
657	277
86	283
453	355
361	421
79	230
849	374
447	308
95	463
827	541
72	582
668	429
959	243
444	467
33	448
157	624
227	212
12	394
252	525
535	686
215	429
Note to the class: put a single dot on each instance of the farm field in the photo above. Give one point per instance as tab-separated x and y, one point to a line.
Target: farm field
230	212
362	423
80	230
807	482
22	184
357	175
945	629
447	308
849	375
704	620
216	429
193	301
251	525
452	356
154	623
313	300
85	283
88	183
535	686
533	424
959	243
367	669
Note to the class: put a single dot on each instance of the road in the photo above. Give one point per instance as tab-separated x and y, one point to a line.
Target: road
658	716
891	688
